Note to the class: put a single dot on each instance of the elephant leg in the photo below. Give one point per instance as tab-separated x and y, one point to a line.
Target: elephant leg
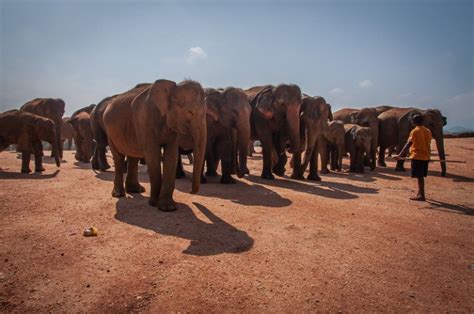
296	160
153	158
381	161
226	161
325	149
279	168
104	165
211	161
119	163
165	200
267	147
313	167
25	162
340	154
360	161
38	153
373	156
400	163
353	161
95	158
179	168
131	182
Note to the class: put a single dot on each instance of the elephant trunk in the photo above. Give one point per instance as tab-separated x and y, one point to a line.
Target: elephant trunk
293	123
55	148
311	140
442	156
243	139
199	137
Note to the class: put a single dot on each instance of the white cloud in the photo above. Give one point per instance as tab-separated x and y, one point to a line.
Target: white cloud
195	54
365	83
336	91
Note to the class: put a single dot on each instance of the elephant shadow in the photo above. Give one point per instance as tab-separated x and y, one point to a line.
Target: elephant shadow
239	193
446	207
34	175
367	176
455	177
216	237
325	189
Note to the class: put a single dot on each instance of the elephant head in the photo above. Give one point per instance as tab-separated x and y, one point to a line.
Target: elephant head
362	138
45	129
315	113
185	111
282	103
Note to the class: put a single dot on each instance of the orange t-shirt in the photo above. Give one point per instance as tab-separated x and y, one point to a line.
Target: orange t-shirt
420	138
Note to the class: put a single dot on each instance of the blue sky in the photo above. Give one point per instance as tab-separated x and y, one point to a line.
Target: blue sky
353	53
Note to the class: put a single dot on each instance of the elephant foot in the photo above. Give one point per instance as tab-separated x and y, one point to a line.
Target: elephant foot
153	202
279	172
443	173
400	169
203	180
227	180
314	177
167	206
40	169
118	192
297	176
381	164
268	176
134	188
247	171
27	170
325	170
211	173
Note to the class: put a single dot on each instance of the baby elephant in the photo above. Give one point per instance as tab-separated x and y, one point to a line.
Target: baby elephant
27	130
333	144
357	143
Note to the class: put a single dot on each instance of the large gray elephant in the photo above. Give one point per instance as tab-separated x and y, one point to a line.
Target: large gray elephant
99	160
395	127
333	141
358	142
27	130
81	122
51	108
367	117
139	124
274	119
315	113
228	132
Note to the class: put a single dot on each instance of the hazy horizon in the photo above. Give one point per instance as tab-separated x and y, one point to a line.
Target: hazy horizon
353	53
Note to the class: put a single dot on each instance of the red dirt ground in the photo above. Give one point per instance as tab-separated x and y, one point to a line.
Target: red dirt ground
351	243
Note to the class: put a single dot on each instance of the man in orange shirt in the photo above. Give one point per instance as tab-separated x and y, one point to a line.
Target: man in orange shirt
419	144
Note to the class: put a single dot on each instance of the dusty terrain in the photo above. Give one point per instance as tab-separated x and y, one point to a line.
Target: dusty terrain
350	243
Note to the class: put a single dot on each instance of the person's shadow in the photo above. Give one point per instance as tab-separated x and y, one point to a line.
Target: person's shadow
212	238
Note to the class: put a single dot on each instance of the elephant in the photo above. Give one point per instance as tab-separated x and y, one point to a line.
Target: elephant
314	116
367	117
81	122
274	118
52	108
139	123
382	109
395	128
99	160
334	141
67	133
357	142
228	132
27	130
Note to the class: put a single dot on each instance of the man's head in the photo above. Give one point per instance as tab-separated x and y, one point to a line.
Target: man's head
417	119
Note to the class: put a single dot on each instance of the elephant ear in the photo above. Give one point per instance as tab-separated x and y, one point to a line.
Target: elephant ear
264	102
160	95
354	133
212	99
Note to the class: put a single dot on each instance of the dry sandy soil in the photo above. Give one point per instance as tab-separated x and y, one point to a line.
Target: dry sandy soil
350	243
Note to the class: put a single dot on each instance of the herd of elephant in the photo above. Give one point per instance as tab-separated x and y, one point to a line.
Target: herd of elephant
157	122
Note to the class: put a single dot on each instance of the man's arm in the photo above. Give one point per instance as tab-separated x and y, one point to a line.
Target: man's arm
404	150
